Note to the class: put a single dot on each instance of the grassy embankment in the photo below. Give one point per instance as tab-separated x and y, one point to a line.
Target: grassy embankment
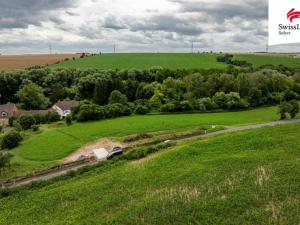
251	177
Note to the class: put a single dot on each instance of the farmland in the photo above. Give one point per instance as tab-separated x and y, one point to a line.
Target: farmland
260	60
145	61
58	141
250	177
172	61
26	61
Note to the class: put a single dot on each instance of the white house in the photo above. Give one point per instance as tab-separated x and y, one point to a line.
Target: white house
63	108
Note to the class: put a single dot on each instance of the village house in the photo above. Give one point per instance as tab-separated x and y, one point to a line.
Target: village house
63	108
8	110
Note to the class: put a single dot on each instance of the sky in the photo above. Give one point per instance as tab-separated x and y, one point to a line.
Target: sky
31	26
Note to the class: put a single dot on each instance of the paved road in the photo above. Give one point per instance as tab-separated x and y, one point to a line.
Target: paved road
230	130
242	128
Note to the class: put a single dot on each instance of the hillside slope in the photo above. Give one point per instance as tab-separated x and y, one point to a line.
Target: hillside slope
251	177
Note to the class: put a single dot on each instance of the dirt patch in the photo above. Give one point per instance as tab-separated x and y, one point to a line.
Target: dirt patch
12	62
88	149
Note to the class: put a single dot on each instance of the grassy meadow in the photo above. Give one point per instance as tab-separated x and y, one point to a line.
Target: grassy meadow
171	61
145	61
251	177
58	141
260	60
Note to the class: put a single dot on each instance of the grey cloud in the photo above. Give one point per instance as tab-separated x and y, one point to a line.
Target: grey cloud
112	22
166	23
221	10
21	13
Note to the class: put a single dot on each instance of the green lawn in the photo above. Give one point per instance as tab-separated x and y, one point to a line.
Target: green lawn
259	60
145	61
54	144
252	177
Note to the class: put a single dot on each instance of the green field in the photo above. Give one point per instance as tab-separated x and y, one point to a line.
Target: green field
169	60
144	61
251	177
260	60
57	142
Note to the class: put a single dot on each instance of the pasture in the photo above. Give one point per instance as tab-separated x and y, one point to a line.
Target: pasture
58	141
250	177
273	59
172	61
145	61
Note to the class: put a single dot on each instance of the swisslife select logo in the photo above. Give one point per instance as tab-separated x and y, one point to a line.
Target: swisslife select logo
284	21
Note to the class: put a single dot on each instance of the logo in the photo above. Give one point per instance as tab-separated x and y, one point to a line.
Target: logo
292	14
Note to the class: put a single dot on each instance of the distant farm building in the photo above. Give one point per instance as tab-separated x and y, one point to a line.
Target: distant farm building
63	108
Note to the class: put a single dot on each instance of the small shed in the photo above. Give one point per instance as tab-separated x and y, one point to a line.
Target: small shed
101	153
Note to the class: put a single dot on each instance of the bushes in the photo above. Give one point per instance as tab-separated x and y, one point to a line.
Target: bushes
89	111
168	107
291	108
5	161
142	152
11	140
141	110
69	120
116	110
26	122
117	97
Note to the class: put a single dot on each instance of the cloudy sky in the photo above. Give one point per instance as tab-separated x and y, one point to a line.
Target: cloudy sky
30	26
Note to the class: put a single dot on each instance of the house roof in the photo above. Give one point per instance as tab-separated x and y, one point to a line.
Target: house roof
33	112
8	108
67	105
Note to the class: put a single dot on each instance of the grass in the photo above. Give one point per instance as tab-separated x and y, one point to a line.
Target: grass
171	61
145	61
259	60
55	143
252	177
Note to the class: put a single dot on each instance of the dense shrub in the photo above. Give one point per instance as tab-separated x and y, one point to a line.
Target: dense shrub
89	111
69	120
35	128
27	122
141	110
5	161
116	110
142	152
117	97
52	117
168	107
292	108
11	140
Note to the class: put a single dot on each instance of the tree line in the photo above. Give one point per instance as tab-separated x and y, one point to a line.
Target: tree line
121	92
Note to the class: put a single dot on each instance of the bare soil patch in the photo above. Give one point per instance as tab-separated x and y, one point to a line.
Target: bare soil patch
12	62
88	149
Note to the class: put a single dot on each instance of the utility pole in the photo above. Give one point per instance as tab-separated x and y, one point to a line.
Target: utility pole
50	49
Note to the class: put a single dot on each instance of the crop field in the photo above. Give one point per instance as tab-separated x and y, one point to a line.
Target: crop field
55	143
171	61
26	61
259	60
145	61
251	177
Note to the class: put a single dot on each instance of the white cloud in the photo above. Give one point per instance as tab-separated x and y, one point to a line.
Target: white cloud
134	25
